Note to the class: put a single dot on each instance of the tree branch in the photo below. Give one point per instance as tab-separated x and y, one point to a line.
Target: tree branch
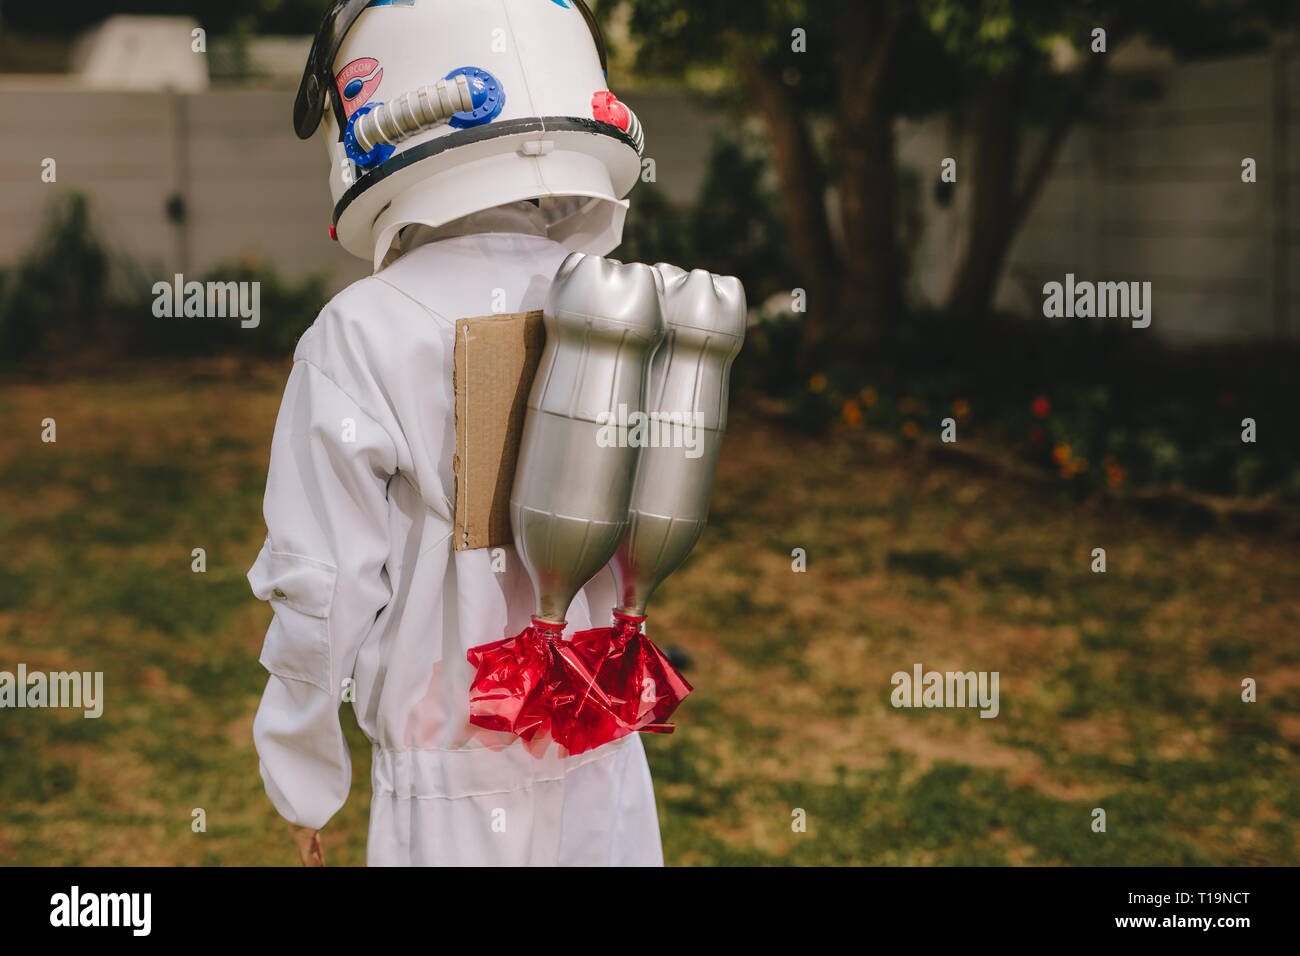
1063	120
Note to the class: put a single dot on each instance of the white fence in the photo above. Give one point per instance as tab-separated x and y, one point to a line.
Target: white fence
249	186
1150	191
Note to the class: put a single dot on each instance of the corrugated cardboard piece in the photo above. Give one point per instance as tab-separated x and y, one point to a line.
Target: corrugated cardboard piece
496	359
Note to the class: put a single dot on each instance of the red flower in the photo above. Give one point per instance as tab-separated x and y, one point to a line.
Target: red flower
1036	435
1040	407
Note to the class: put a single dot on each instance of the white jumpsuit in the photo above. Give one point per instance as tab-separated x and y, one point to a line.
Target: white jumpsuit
359	569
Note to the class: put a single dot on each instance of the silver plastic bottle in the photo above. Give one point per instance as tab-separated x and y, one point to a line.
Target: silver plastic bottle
569	502
689	378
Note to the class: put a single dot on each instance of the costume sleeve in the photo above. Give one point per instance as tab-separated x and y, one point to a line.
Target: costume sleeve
322	569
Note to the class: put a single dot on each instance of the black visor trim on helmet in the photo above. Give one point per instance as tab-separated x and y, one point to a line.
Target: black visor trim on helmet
476	134
596	33
318	75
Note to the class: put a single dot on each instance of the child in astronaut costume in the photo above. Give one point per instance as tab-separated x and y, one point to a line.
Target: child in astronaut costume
496	152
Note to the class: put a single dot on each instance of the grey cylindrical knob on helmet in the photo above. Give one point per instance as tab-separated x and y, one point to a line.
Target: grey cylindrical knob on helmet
569	501
413	112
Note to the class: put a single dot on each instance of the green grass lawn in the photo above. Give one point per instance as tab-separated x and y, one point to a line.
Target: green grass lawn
1119	690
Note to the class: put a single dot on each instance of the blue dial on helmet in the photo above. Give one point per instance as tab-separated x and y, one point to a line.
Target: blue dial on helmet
485	91
375	156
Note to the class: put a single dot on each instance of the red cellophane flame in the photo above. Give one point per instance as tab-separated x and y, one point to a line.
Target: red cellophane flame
606	683
536	686
642	686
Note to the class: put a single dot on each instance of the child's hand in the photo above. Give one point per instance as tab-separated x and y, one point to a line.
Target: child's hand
308	843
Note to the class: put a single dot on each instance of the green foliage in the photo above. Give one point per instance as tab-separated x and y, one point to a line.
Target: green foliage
59	288
70	296
826	78
1097	410
960	39
656	230
286	310
733	227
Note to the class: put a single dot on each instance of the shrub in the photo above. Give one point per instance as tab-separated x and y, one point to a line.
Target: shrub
58	292
71	295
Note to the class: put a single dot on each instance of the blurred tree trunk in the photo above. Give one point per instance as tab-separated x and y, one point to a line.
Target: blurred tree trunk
1000	196
872	297
803	192
856	295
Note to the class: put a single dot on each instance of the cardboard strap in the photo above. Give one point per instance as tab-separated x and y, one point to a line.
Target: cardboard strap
495	360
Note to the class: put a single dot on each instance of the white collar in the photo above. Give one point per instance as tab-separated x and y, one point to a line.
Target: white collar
519	218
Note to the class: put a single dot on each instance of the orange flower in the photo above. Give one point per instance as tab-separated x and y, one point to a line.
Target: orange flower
818	382
1040	407
869	397
961	408
1061	455
1072	466
1115	475
911	429
852	413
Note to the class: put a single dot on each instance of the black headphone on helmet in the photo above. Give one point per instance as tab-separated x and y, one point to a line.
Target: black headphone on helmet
317	76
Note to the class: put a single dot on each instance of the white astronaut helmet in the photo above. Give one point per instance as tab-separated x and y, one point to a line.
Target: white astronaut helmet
436	109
